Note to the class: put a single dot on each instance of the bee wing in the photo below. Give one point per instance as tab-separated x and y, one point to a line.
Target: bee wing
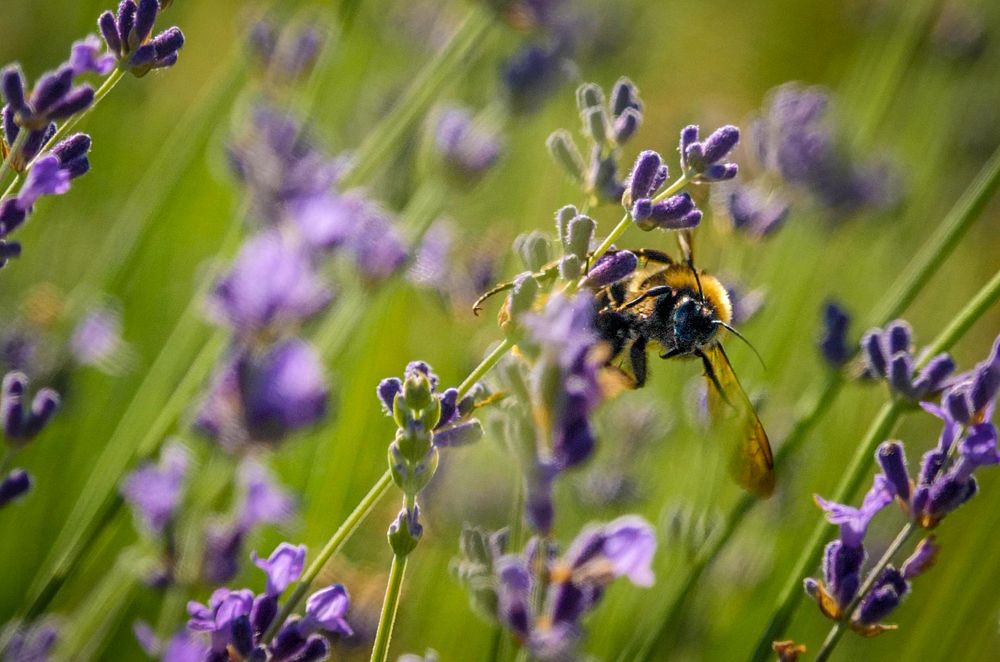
752	463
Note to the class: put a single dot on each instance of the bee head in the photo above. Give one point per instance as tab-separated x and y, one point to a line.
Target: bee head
694	323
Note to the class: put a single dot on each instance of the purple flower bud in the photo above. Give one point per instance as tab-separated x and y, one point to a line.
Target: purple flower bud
641	210
12	84
166	44
957	405
898	338
142	58
75	101
72	148
986	383
626	125
833	344
126	21
326	610
20	425
611	268
922	558
109	30
265	608
932	377
11	216
222	553
289	640
676	213
644	173
900	375
720	172
689	137
387	391
718	145
283	567
891	458
889	590
842	570
145	16
875	358
51	89
754	212
14	485
241	635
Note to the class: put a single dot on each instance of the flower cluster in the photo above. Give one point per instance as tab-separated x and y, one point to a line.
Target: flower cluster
795	140
30	117
607	125
889	354
648	211
541	598
231	626
129	37
22	419
945	482
426	421
285	55
467	148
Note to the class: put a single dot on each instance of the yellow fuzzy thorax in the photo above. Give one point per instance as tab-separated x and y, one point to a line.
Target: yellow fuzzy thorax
680	277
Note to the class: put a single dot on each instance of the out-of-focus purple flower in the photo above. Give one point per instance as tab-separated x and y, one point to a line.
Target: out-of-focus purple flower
565	376
326	220
182	647
154	491
14	485
598	556
431	267
97	337
326	610
888	354
263	499
884	597
704	160
265	397
755	212
287	55
467	148
532	74
377	247
833	343
272	284
20	423
222	553
796	139
128	36
30	643
88	56
283	566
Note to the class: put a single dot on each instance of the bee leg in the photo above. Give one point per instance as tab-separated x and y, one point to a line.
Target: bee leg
651	292
637	357
710	373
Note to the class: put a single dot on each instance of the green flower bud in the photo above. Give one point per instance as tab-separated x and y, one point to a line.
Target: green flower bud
566	155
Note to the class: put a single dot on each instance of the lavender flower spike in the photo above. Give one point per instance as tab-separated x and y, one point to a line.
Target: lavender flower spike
127	36
283	567
701	160
13	486
21	424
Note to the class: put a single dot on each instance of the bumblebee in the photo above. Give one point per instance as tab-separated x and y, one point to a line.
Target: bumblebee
684	312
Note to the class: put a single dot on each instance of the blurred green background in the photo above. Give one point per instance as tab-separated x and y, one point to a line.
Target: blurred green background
709	62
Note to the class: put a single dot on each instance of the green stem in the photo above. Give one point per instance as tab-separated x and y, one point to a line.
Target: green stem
837	631
387	619
626	221
332	546
102	91
485	366
857	470
378	149
929	259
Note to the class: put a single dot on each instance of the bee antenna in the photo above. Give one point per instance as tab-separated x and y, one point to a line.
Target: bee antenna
743	338
697	279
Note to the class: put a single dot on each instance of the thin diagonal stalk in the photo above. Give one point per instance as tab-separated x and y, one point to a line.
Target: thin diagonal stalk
857	470
837	631
381	144
390	605
15	149
927	262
